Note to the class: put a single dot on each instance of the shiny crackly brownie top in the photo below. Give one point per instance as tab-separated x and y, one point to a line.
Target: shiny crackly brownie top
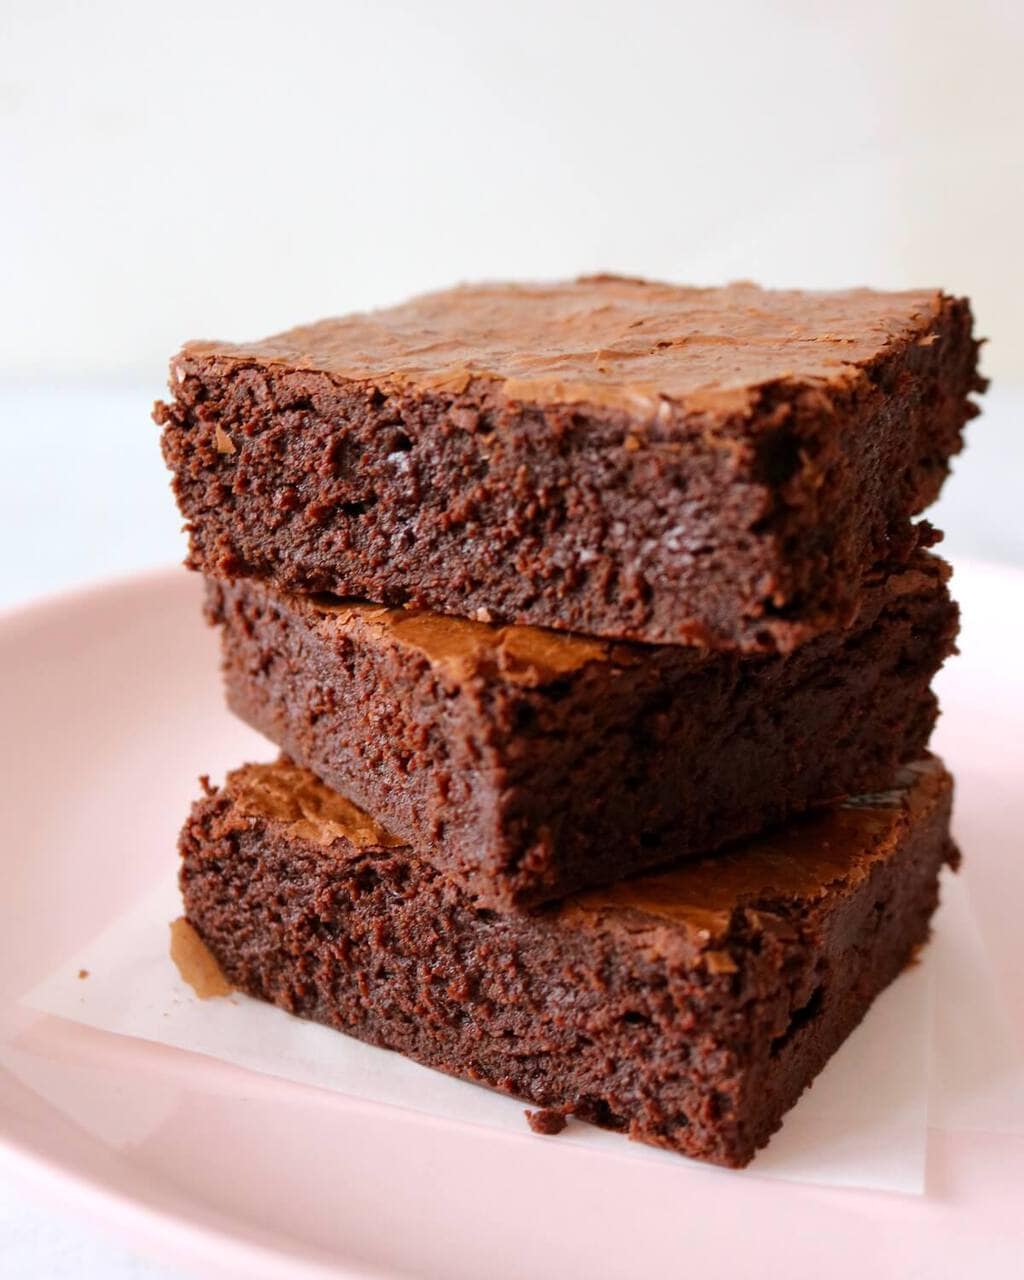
605	340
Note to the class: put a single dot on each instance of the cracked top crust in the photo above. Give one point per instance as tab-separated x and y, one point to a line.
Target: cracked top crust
604	340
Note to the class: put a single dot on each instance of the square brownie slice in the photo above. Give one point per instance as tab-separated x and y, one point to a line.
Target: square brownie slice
529	763
615	457
688	1008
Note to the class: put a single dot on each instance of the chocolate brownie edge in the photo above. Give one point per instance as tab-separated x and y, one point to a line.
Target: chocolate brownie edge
743	528
525	784
679	1008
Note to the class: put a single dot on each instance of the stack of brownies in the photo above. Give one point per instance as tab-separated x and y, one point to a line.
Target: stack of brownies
579	613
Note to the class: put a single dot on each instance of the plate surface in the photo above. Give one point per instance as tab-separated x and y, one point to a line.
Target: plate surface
112	706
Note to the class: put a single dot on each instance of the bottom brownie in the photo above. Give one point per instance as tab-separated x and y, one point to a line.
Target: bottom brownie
688	1008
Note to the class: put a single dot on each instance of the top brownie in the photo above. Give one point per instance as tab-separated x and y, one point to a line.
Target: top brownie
611	456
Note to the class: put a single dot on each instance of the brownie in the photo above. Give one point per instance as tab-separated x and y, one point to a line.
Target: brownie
528	763
688	1008
609	456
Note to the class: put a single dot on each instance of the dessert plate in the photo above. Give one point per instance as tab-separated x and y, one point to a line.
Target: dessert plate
112	705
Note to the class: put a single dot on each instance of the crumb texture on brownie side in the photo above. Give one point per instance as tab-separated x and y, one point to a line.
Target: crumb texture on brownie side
524	791
685	1032
747	525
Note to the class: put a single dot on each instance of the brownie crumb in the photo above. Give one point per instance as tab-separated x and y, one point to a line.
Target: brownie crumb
83	973
547	1121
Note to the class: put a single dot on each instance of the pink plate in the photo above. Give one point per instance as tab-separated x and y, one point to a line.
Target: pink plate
112	707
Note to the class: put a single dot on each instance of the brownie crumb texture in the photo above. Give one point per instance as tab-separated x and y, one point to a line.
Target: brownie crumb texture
528	764
617	458
547	1121
687	1008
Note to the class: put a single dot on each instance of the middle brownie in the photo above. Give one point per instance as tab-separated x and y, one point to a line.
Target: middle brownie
536	763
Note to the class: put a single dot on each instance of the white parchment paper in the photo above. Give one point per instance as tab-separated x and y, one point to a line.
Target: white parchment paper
863	1124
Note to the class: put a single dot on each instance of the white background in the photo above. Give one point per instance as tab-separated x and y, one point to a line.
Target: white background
222	170
226	170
